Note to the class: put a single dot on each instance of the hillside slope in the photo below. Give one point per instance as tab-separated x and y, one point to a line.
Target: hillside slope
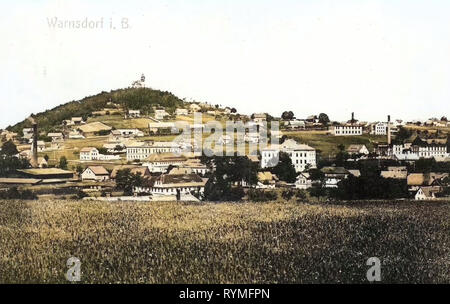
143	99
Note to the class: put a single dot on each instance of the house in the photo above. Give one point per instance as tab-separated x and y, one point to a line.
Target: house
161	114
194	107
302	156
42	163
89	153
56	137
347	130
160	162
40	145
174	184
417	180
76	121
94	128
141	151
354	172
379	128
163	127
259	117
28	134
126	133
95	173
426	193
303	181
195	166
134	113
357	149
266	180
394	174
75	134
295	124
180	111
333	175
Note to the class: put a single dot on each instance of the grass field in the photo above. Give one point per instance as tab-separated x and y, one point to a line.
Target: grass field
224	243
328	144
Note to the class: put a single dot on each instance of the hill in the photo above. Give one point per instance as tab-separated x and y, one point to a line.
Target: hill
143	99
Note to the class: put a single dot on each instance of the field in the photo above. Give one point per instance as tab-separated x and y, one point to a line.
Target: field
328	144
224	243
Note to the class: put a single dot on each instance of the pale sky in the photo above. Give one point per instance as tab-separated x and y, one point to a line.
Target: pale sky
371	57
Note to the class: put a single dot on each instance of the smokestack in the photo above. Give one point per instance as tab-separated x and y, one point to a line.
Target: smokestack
34	154
389	129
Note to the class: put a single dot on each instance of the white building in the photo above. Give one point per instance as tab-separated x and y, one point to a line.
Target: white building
379	128
134	113
303	181
144	150
160	114
357	149
88	154
95	173
56	137
347	130
301	155
160	162
130	133
181	112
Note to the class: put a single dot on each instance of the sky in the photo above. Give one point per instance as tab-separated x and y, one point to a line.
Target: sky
373	58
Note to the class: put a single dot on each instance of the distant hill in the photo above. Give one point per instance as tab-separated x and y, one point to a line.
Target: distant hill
143	99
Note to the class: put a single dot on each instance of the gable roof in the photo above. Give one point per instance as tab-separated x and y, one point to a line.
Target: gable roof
98	170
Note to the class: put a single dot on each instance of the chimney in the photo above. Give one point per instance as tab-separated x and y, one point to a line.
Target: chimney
353	116
389	129
34	154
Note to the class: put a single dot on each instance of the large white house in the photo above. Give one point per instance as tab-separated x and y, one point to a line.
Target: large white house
347	130
144	150
160	162
301	155
380	128
88	154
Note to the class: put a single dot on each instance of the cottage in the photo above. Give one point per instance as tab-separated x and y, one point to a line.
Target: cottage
56	137
161	114
266	180
333	175
95	173
426	193
357	149
134	113
303	181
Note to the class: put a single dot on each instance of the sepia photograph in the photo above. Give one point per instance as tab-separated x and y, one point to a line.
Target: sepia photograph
224	149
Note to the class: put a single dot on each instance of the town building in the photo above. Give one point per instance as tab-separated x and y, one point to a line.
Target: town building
134	113
180	111
161	114
303	181
160	162
56	136
302	156
95	173
333	175
143	150
357	149
89	154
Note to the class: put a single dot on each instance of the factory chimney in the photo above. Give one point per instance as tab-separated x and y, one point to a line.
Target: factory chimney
389	129
34	154
353	118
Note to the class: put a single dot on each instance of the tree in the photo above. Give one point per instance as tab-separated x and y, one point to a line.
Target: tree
233	110
323	119
443	118
284	168
63	163
287	115
9	148
127	181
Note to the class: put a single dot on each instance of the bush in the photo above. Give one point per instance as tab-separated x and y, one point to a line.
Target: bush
258	195
13	193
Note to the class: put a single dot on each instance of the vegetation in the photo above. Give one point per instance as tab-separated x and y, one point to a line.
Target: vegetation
143	99
284	168
126	181
223	243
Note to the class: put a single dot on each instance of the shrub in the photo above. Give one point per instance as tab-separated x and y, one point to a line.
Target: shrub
259	195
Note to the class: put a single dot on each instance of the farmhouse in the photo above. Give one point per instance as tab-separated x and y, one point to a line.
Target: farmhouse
195	166
56	137
161	114
179	184
303	181
134	113
426	193
266	180
333	175
357	149
96	173
88	154
92	128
